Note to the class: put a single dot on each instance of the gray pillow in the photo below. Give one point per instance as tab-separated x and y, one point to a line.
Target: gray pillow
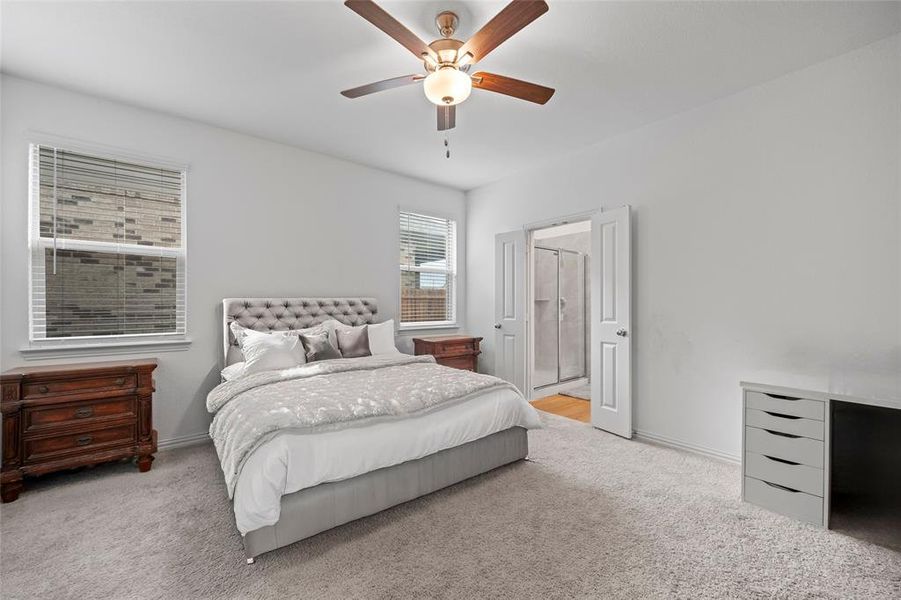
319	347
353	341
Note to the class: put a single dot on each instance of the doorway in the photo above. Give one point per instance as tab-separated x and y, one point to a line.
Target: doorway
606	256
560	332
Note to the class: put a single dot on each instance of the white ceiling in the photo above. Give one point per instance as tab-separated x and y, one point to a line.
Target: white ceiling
274	69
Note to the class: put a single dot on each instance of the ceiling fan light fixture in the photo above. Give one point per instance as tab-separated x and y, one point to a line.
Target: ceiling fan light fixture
447	86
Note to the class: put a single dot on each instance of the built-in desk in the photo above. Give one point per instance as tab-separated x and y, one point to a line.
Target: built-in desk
828	455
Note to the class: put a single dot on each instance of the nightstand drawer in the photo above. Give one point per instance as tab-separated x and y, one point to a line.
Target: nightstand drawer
794	504
91	411
795	476
786	446
46	448
786	405
466	363
808	428
455	349
75	385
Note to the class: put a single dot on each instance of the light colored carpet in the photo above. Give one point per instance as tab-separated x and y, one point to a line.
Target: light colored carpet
592	516
582	392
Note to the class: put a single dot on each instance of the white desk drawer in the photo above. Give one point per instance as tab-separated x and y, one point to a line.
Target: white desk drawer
796	505
789	447
797	477
808	428
784	405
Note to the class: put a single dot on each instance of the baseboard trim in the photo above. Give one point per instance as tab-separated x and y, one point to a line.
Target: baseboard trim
186	440
681	445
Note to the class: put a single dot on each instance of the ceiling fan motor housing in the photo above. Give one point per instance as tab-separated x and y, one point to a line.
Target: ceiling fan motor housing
446	51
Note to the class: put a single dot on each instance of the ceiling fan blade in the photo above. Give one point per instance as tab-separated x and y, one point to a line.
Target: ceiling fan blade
381	86
447	117
511	19
376	15
512	87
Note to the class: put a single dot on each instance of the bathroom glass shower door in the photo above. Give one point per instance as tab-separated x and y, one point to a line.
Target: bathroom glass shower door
559	316
572	339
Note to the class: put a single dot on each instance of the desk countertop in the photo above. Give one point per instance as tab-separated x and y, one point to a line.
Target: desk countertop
873	389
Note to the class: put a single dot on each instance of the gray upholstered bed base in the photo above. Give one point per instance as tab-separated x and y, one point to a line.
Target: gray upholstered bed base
314	510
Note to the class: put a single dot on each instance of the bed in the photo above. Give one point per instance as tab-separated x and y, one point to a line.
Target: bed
369	433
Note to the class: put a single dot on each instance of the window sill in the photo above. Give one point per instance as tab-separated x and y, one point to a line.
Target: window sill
38	352
425	327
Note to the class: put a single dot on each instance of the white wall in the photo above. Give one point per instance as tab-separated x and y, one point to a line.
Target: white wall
767	238
263	220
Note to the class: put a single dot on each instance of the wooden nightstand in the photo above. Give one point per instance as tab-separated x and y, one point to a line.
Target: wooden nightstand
457	351
64	416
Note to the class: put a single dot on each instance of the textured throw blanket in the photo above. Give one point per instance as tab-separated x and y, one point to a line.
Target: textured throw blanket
327	395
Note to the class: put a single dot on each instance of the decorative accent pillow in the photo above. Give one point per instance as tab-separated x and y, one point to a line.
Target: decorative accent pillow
240	332
319	346
235	371
381	338
353	342
266	352
328	326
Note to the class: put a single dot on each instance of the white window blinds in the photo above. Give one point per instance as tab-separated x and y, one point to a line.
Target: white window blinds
428	273
107	247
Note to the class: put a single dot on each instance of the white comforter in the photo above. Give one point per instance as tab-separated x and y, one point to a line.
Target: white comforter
293	460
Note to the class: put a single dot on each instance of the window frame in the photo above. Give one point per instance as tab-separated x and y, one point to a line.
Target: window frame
103	344
450	272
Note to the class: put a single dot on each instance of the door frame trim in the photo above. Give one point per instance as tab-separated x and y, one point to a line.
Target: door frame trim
529	296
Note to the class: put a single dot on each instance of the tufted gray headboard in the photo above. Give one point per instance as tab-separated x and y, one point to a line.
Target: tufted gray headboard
280	314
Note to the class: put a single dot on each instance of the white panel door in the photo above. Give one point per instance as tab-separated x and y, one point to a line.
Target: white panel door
611	331
509	320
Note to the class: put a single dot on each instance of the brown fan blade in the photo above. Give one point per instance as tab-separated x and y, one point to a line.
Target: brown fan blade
511	19
381	86
447	117
376	15
512	87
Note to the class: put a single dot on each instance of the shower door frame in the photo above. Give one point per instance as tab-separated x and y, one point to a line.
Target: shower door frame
529	301
586	318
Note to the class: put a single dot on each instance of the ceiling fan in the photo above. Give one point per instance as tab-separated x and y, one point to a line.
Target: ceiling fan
447	81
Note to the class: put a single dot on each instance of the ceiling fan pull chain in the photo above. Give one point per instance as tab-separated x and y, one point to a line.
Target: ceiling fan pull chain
446	146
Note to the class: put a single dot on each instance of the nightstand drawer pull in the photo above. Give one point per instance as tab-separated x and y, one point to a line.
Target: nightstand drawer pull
44	389
84	440
84	411
120	381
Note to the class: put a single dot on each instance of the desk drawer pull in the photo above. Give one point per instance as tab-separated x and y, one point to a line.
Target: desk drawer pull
84	440
779	433
780	415
782	397
782	460
84	411
783	488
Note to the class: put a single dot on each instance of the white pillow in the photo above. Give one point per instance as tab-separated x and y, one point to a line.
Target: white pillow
381	338
235	371
266	352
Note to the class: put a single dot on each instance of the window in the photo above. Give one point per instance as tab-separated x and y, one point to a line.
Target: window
107	247
428	273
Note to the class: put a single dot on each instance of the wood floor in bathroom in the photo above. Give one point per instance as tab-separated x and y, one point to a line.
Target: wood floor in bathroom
565	406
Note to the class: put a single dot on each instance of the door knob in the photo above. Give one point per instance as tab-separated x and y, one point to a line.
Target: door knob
497	325
621	332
